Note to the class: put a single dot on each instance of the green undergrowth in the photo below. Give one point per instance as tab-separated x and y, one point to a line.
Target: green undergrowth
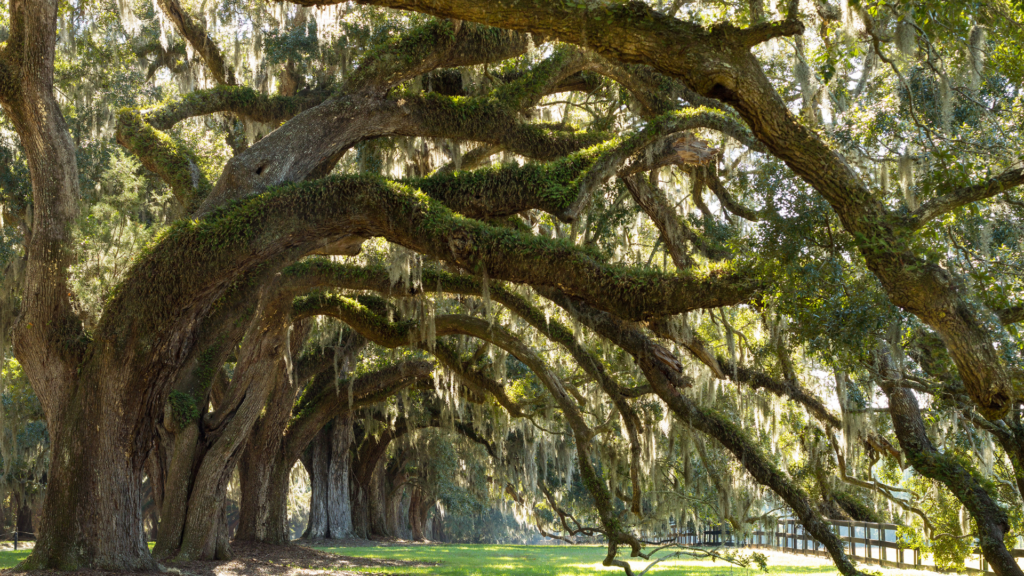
486	560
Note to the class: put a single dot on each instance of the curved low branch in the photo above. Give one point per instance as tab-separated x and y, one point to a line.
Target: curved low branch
714	424
162	154
716	186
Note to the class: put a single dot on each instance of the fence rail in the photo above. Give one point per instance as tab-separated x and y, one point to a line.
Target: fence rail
866	542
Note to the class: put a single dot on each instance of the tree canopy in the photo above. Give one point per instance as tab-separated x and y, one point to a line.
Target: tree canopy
594	268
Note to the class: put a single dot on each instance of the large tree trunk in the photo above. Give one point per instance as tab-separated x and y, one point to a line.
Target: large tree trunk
92	512
263	516
377	500
395	497
180	473
317	463
330	506
262	365
339	503
415	512
360	510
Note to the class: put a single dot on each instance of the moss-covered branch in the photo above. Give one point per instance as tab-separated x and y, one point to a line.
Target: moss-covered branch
489	120
241	101
164	155
200	41
436	44
564	186
407	217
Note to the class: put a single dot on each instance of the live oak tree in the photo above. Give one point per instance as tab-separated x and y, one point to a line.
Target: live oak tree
734	201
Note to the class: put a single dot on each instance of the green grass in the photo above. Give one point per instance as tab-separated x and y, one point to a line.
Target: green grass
10	558
484	560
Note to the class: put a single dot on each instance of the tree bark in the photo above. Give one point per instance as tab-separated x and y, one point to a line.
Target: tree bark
330	504
377	500
318	466
339	503
263	363
92	511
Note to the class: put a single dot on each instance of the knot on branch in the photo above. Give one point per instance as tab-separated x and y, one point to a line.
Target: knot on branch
461	245
693	150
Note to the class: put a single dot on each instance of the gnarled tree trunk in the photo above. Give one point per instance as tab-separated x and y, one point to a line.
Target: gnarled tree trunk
328	466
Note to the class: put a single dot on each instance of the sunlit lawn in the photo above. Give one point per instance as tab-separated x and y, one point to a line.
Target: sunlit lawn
10	558
483	560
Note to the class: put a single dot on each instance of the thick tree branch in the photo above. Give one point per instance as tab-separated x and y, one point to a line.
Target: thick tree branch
241	101
990	519
940	205
716	186
48	336
436	44
717	62
164	155
675	232
652	134
316	138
